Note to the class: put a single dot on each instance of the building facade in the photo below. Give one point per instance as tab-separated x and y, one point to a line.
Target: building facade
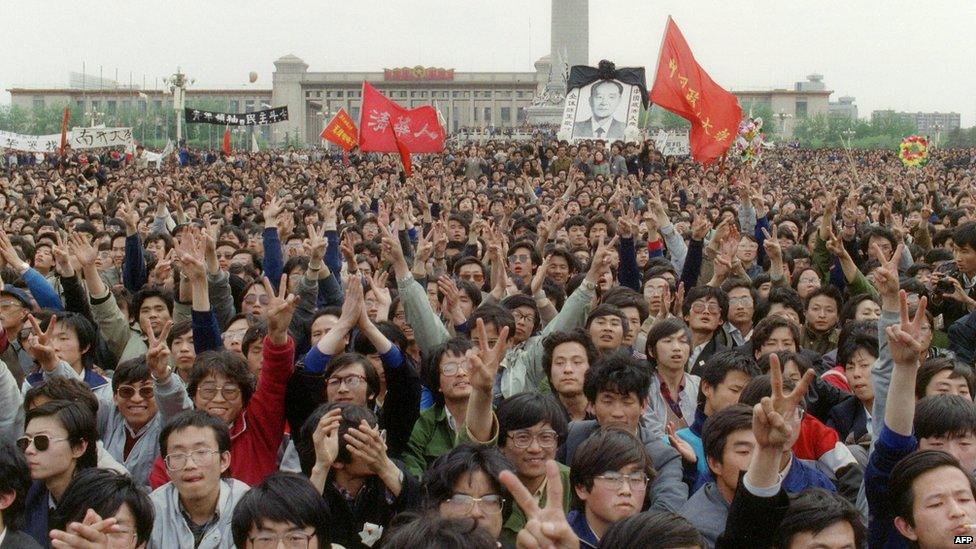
806	99
926	123
844	107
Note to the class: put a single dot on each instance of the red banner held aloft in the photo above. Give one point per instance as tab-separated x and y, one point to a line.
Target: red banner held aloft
226	146
382	123
341	130
684	88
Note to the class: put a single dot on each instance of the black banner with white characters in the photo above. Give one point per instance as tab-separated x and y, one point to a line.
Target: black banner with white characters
255	118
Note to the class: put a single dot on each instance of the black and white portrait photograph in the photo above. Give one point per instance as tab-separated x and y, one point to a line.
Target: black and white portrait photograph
601	110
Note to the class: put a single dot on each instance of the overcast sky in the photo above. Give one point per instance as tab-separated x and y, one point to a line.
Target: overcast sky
905	55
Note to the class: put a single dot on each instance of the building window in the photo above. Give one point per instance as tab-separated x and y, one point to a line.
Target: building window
801	109
234	106
248	106
354	113
96	105
110	106
487	117
80	105
158	104
126	105
39	103
506	114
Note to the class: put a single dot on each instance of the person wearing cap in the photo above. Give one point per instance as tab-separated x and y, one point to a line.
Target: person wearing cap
15	305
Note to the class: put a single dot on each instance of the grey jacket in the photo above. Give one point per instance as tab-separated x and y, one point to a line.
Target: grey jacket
170	529
656	416
668	491
171	399
707	511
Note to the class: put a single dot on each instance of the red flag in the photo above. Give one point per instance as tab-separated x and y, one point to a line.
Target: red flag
382	123
226	147
64	132
404	157
341	130
684	88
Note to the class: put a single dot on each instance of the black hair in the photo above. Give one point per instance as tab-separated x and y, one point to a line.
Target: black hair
762	386
285	498
62	388
555	339
782	295
607	449
104	492
255	333
933	366
660	529
605	309
521	300
146	293
965	235
720	425
662	329
466	459
345	360
352	416
718	366
199	419
134	370
222	361
624	297
764	329
430	368
875	231
826	290
497	316
620	88
79	422
901	495
14	478
84	329
705	292
814	510
431	531
617	373
523	410
944	416
179	329
802	362
860	341
849	310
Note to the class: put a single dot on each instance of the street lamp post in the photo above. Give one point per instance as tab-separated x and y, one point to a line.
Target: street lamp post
782	116
93	115
178	83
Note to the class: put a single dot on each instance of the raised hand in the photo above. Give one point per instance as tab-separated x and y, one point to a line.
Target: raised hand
700	227
886	278
539	278
353	304
41	343
129	216
485	360
272	207
600	263
771	420
684	449
904	339
546	527
91	533
317	244
62	257
279	311
157	356
326	438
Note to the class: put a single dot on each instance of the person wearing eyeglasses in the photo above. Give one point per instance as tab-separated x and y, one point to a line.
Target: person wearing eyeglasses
705	309
196	507
284	509
59	440
464	484
343	451
145	395
105	494
528	427
610	476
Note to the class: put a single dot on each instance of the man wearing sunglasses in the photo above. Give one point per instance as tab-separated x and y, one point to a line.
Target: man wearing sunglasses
144	397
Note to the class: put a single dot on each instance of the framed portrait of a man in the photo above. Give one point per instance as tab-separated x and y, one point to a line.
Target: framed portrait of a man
604	109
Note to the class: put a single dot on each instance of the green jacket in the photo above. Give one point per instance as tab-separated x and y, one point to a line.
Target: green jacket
431	438
516	520
821	261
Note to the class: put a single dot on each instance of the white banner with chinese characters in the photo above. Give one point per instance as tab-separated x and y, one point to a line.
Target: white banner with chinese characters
672	143
78	139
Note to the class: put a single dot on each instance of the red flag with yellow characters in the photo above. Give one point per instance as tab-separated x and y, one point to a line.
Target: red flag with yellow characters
341	130
684	88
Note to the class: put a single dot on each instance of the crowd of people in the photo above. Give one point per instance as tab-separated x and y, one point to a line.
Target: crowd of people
534	345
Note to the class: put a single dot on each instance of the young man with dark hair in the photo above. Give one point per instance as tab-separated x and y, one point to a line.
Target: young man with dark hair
822	312
634	307
723	378
343	452
607	326
963	270
610	475
947	423
705	309
285	507
14	484
742	306
464	484
944	376
617	388
107	494
761	513
728	442
196	507
775	333
566	359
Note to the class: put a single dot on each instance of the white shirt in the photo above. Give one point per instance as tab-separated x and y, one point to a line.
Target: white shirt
693	358
604	125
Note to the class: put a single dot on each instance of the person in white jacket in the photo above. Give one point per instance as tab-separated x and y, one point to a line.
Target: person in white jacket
195	508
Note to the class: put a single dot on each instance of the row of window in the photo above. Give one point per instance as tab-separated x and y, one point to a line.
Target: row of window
422	94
